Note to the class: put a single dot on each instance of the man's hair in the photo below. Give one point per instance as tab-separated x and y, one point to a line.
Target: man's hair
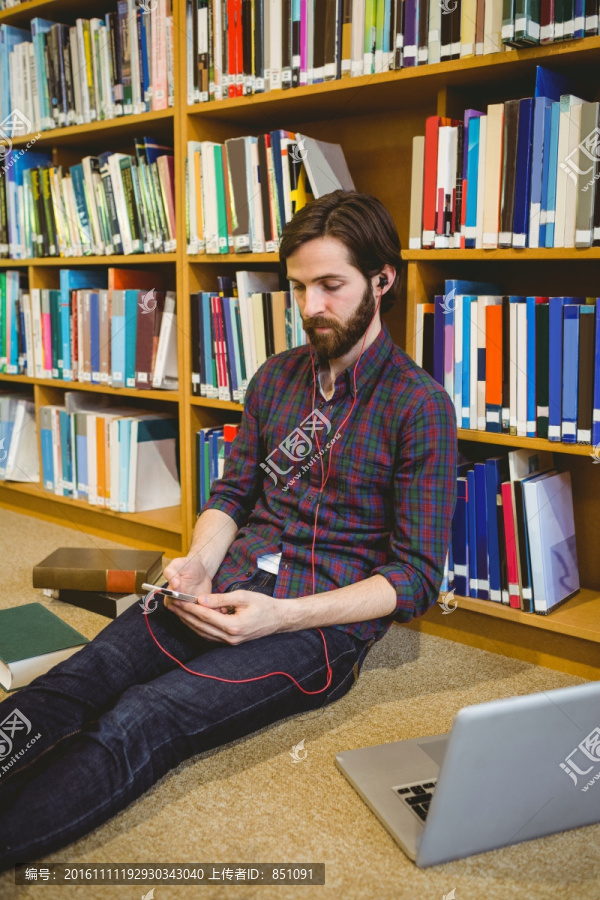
361	222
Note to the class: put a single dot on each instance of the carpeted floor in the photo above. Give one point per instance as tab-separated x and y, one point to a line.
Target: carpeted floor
249	802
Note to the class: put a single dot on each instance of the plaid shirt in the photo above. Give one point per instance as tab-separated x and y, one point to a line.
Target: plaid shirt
388	503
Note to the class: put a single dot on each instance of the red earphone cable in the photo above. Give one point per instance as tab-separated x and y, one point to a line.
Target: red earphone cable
323	483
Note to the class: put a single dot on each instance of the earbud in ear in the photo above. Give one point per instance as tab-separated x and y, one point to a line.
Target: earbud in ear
382	281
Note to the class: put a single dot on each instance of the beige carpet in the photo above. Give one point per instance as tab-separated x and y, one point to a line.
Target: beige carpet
249	802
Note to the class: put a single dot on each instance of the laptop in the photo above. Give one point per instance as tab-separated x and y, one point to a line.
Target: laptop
509	771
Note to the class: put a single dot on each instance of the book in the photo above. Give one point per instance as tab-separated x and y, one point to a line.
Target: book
87	569
33	640
106	603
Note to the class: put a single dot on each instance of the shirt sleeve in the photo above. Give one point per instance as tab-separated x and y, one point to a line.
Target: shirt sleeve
239	487
424	496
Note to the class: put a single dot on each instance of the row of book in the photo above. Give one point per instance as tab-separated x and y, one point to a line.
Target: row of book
126	60
114	203
213	446
235	329
241	193
116	327
513	533
522	174
119	458
527	366
242	47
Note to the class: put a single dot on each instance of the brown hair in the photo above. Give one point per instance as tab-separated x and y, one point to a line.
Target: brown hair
361	222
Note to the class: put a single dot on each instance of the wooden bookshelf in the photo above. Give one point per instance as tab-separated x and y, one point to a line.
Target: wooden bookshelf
374	118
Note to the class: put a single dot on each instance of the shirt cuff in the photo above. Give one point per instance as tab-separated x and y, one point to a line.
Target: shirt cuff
406	592
233	509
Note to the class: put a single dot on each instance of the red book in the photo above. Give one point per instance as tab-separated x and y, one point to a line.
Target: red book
432	126
514	597
231	54
239	50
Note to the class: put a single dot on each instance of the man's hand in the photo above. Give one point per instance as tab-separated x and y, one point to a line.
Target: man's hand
188	575
255	615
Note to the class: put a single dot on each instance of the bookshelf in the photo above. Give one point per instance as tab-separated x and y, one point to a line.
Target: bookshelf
374	118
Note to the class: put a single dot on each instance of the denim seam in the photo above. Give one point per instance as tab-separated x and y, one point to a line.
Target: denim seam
30	762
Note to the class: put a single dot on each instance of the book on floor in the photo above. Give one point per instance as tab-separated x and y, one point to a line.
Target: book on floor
33	640
95	569
105	603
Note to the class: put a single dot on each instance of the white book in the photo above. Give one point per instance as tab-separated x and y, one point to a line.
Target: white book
521	369
258	235
481	182
22	463
564	181
572	191
86	100
120	204
358	31
158	457
474	316
209	198
434	44
248	283
492	27
512	373
458	356
29	343
552	541
165	367
275	44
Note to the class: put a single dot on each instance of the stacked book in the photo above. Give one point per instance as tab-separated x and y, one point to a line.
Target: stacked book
235	329
513	533
528	366
113	203
524	173
242	193
19	457
115	327
119	458
244	47
106	582
126	59
213	446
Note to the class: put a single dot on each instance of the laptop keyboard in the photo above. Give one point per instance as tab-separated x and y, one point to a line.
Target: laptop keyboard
417	796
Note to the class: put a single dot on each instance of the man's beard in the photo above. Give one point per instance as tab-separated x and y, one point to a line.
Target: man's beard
341	339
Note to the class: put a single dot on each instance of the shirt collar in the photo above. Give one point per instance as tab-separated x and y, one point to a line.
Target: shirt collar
370	362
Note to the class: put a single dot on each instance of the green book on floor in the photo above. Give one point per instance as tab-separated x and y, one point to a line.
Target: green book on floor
32	641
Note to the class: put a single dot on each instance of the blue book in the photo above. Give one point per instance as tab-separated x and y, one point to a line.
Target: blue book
212	385
10	36
46	445
81	467
579	20
83	222
570	372
66	453
549	83
550	207
276	137
531	369
459	538
145	58
541	110
40	27
231	355
596	411
438	338
555	375
117	339
472	144
124	431
523	174
494	475
472	532
131	302
481	526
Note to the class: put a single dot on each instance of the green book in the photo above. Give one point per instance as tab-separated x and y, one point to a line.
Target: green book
32	641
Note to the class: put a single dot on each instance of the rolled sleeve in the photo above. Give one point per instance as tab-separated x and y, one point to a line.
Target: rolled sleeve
424	496
239	487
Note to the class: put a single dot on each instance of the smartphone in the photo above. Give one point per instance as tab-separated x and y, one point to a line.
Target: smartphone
177	595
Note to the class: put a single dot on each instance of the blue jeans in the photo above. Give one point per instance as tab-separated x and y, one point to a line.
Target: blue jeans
117	715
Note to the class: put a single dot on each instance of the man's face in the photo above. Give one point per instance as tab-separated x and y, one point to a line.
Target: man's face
330	292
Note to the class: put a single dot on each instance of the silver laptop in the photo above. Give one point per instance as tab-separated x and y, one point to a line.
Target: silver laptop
509	771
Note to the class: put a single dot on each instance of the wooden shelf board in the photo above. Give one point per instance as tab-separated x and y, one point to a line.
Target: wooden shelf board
73	134
398	88
219	404
133	259
167	519
239	258
528	253
172	396
512	440
579	617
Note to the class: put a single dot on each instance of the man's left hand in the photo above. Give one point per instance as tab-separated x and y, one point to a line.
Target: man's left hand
252	615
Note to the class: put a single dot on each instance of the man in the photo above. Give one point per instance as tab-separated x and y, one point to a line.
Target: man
369	456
